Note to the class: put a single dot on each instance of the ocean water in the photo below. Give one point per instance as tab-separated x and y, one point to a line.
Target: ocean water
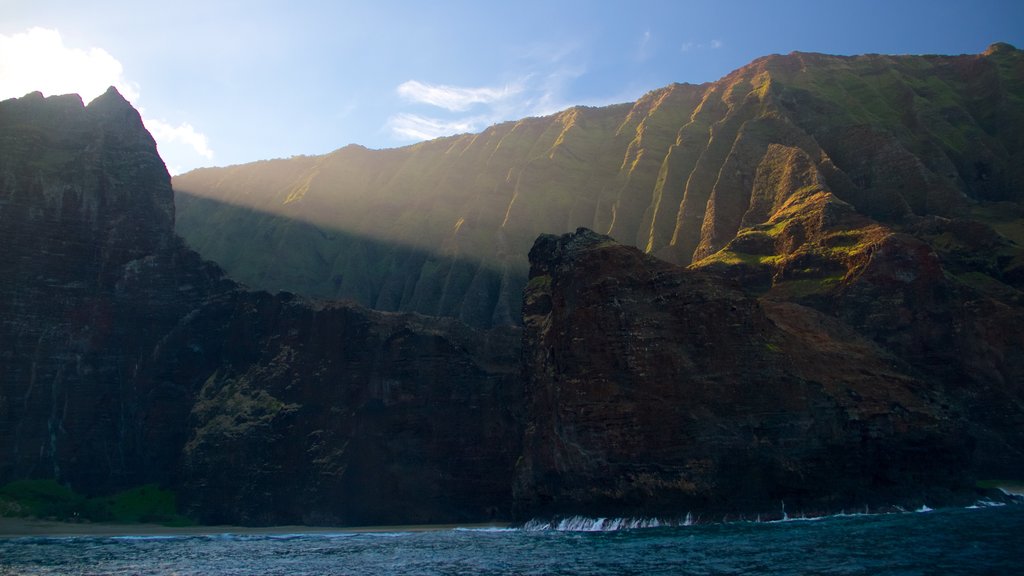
981	540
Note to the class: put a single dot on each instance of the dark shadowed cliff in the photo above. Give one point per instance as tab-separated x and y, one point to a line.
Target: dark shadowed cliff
92	277
652	390
443	227
125	359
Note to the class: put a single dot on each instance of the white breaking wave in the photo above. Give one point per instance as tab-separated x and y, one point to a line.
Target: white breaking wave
587	524
590	524
986	503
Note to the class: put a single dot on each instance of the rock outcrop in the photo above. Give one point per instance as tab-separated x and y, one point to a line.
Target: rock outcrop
335	415
125	359
653	390
91	277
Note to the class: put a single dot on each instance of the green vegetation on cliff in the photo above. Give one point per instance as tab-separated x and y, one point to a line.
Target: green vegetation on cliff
442	227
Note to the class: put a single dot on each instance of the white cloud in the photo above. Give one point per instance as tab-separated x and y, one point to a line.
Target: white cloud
184	133
454	98
531	95
416	127
535	95
542	75
37	60
716	44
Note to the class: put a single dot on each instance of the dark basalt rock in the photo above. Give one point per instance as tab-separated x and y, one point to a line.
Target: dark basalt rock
91	274
331	414
657	390
125	359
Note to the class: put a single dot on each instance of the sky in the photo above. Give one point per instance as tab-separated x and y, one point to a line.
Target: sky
221	82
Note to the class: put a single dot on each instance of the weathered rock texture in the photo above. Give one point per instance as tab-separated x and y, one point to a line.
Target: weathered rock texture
125	359
91	277
336	415
443	227
656	390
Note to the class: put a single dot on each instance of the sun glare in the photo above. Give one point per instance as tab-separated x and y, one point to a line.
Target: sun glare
38	60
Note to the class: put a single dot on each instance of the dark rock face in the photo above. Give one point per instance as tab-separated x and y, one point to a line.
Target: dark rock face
92	275
336	415
654	390
125	359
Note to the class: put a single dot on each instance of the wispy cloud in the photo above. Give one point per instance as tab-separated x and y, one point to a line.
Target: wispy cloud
459	110
643	49
691	46
415	127
38	60
541	76
454	98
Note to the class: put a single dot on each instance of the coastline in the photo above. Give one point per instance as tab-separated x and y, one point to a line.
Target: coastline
998	493
32	527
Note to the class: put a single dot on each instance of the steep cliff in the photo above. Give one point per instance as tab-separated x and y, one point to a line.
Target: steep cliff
329	414
654	390
91	277
442	227
125	359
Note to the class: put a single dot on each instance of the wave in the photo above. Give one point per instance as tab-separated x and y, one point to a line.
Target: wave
986	503
601	524
586	524
1013	491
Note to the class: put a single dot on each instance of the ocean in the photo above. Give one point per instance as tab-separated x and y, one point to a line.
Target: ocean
979	540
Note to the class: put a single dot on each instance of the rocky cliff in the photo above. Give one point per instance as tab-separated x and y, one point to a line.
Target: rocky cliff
443	227
91	276
125	359
656	390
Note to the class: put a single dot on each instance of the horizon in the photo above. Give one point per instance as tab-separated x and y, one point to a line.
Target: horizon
221	85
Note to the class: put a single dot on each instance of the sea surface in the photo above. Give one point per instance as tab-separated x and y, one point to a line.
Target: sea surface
980	540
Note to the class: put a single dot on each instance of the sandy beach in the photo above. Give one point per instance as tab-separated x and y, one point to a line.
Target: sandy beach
20	527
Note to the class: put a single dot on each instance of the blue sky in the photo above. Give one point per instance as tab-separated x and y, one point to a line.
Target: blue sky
226	82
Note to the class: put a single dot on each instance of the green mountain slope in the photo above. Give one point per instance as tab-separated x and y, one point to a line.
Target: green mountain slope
721	174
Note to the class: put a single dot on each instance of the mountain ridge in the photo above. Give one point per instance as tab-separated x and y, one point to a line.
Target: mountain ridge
671	173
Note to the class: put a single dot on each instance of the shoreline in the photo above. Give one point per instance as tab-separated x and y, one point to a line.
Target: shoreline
999	493
33	527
